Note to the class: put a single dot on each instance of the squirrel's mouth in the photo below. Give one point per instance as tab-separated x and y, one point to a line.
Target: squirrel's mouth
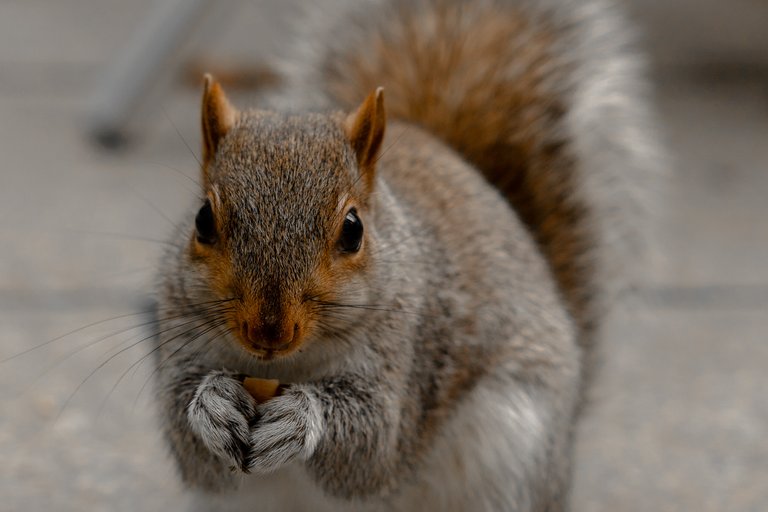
268	337
271	354
265	351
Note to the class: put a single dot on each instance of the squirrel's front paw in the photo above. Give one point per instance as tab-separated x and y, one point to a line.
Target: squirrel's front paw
220	413
288	426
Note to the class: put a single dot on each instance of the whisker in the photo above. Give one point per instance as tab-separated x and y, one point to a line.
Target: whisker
155	208
92	343
384	151
203	315
101	322
325	306
104	363
215	323
196	190
178	132
215	316
157	368
123	236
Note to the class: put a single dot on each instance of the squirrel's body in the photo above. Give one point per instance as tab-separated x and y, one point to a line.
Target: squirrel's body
432	340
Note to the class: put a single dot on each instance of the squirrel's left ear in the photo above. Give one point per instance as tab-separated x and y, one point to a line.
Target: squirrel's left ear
365	130
218	116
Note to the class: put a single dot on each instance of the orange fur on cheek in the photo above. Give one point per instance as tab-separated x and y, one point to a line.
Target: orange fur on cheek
324	284
218	265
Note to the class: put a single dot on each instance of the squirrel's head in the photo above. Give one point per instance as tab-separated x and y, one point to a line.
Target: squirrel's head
285	229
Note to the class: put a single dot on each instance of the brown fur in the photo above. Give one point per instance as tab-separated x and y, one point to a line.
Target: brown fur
506	123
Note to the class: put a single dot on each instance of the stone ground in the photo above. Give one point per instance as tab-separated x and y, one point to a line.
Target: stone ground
680	419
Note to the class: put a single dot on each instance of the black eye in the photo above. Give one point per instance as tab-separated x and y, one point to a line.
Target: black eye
351	233
205	225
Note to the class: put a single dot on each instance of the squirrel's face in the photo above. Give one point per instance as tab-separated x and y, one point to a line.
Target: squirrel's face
284	229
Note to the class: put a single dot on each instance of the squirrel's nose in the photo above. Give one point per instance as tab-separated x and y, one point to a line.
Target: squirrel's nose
270	335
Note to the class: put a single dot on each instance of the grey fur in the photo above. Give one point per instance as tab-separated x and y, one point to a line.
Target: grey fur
219	414
456	388
287	427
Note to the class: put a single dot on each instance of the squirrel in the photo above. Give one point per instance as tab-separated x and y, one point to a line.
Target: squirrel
418	240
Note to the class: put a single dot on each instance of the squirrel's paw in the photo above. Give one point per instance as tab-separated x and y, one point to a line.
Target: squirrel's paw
220	413
288	426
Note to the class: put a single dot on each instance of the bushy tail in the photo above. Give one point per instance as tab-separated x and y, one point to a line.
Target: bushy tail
539	95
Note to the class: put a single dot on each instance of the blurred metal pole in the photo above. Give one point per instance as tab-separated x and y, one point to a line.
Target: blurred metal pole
132	74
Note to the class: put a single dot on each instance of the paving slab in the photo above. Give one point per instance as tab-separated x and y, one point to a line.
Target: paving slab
678	420
679	417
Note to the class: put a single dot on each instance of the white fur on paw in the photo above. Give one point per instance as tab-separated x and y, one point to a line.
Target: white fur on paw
288	427
219	414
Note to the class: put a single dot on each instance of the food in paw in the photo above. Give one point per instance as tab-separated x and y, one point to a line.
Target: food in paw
262	389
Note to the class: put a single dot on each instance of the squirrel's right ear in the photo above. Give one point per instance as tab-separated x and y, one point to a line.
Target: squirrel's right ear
365	130
218	116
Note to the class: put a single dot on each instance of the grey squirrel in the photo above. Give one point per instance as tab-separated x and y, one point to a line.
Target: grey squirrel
417	242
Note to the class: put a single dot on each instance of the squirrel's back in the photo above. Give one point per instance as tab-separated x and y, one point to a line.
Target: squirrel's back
543	97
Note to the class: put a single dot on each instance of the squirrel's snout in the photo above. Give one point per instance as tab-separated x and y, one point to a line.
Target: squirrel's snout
270	335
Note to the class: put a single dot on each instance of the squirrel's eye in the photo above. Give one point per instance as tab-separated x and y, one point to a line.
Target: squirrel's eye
205	225
351	232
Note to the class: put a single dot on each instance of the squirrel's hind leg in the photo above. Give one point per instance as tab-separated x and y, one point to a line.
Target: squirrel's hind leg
504	462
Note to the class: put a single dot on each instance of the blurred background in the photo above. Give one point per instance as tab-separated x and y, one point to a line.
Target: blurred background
98	137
